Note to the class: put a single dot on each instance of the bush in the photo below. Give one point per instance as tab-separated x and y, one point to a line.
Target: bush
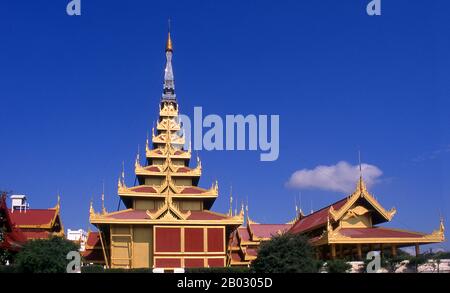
338	266
286	253
45	255
92	269
416	261
7	269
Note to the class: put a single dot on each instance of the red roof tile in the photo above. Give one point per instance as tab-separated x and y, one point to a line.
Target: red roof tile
243	234
316	219
378	232
206	215
130	215
193	190
33	217
183	170
93	239
143	189
252	251
152	168
268	230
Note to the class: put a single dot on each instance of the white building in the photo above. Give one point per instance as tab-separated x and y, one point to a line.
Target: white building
79	236
19	202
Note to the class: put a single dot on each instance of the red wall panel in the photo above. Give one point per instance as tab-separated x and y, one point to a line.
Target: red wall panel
215	240
194	263
168	263
216	262
193	240
167	239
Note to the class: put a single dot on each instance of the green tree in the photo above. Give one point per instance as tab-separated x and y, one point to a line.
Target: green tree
286	253
338	266
416	261
45	255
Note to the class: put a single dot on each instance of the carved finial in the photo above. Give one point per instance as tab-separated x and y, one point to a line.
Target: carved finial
230	212
146	143
441	225
137	164
123	173
58	201
153	132
329	227
91	208
103	198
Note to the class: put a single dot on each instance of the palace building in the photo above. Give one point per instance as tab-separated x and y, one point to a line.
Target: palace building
168	222
350	228
35	223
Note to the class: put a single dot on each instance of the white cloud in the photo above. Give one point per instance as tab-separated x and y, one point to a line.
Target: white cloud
341	177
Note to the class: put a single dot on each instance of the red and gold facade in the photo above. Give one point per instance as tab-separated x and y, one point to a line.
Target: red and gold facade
349	228
167	222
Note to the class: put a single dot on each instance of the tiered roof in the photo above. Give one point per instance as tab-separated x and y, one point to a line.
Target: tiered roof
325	225
166	175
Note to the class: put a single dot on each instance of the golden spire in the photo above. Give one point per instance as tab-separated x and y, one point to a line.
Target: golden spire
169	40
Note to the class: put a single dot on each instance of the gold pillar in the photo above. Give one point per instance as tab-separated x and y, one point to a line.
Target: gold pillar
359	250
394	250
333	251
417	249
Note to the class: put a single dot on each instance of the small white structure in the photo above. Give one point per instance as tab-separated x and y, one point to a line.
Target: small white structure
79	236
19	202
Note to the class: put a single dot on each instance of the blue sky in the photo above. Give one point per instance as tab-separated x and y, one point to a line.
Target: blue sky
78	94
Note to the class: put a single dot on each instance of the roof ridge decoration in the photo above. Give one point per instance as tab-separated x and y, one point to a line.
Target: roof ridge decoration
168	211
361	192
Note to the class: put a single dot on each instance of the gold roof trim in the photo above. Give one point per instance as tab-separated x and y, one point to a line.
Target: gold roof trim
361	192
167	109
